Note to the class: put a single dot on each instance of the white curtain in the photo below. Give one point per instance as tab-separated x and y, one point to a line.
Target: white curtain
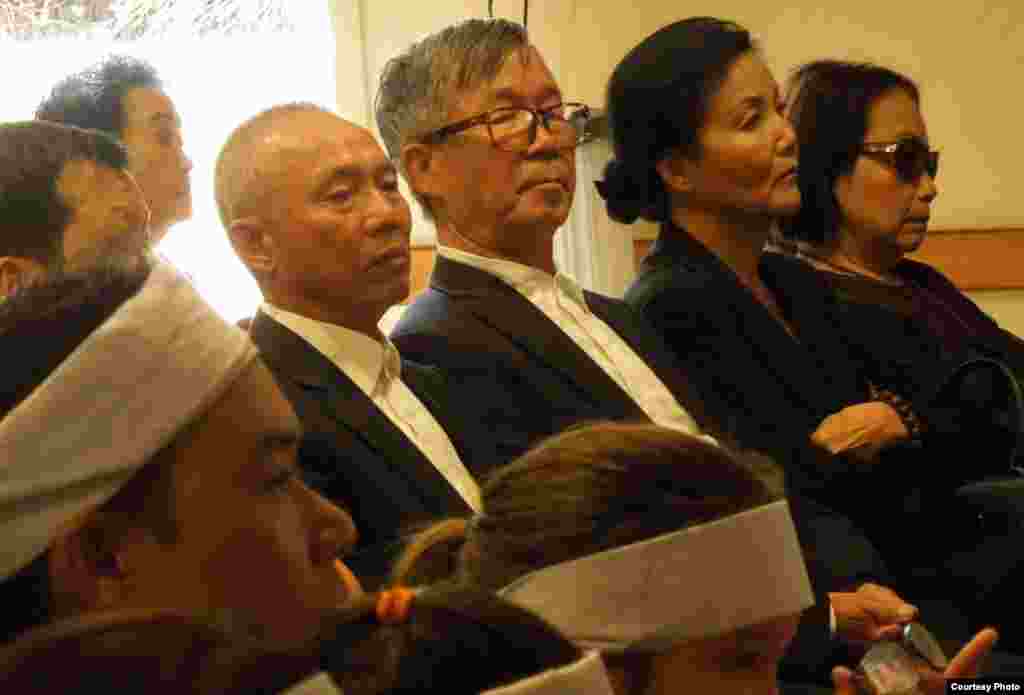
590	246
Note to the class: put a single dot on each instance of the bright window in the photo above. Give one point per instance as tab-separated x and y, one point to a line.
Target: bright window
215	83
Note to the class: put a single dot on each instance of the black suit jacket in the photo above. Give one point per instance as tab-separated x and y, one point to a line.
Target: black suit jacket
770	391
489	338
354	455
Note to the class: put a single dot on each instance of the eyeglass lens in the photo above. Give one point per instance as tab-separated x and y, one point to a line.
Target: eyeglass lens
912	158
516	129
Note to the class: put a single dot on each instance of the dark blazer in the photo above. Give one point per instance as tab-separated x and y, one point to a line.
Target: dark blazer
474	325
488	337
920	340
769	390
353	454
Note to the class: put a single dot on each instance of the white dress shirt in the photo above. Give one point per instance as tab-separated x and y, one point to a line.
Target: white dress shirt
375	367
319	684
562	301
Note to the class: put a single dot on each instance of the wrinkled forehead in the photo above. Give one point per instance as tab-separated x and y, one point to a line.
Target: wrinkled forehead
523	78
249	422
312	145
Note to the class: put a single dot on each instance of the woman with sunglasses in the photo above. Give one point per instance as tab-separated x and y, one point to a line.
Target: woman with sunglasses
867	182
702	149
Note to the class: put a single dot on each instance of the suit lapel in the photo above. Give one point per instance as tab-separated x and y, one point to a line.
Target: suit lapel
648	345
499	306
835	378
349	407
742	316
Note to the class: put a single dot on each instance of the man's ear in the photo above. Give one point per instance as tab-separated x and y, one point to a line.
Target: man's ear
17	272
254	245
676	172
92	565
420	163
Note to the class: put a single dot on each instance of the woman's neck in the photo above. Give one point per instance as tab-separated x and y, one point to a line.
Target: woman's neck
736	240
848	254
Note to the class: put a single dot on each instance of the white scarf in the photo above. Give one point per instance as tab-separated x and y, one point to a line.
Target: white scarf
155	365
701	581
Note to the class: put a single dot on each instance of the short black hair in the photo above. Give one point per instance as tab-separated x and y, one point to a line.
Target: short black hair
33	155
828	101
93	98
656	102
42	325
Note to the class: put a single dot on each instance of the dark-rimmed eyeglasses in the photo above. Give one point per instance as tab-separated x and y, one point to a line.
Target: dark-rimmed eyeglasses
514	129
910	157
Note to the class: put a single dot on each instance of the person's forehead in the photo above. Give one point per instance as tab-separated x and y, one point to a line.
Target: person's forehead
255	403
523	77
232	436
747	78
321	145
145	106
894	114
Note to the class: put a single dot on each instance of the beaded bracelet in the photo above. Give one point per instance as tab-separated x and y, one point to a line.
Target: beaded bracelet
903	408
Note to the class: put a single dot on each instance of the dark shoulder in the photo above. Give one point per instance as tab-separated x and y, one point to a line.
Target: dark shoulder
788	276
436	331
663	275
924	274
428	376
429	309
785	265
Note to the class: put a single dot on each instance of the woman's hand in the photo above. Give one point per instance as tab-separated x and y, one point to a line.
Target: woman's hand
870	614
861	430
966	664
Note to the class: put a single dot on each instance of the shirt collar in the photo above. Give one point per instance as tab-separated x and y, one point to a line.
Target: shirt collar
371	363
525	279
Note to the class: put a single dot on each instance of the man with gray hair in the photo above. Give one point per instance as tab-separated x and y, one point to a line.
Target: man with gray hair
486	142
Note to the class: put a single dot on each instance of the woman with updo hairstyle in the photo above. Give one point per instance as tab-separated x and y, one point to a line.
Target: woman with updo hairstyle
702	148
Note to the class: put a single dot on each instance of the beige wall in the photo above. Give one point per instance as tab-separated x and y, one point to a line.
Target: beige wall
1005	306
968	58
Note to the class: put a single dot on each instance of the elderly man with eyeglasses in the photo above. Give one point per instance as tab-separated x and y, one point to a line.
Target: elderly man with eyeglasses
486	141
484	137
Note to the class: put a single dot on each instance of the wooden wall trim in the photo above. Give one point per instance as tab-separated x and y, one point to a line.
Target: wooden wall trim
974	259
983	259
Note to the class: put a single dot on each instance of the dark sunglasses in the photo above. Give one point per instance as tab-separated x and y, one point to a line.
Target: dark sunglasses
910	157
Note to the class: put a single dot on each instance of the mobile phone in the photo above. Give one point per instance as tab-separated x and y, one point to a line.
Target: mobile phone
889	667
920	642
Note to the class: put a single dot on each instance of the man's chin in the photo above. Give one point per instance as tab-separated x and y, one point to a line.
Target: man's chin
543	216
909	242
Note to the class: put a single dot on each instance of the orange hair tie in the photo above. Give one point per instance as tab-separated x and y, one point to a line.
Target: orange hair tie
393	605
